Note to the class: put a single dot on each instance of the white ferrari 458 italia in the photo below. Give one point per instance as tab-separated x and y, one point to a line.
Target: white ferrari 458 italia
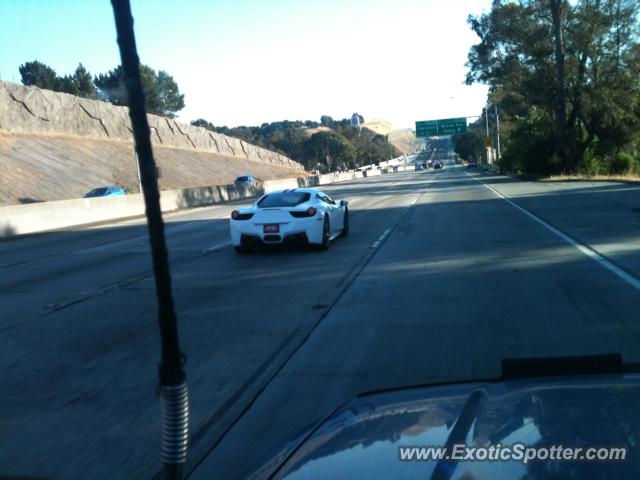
299	214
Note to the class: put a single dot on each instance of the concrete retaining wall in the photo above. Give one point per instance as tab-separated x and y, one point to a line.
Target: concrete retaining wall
34	110
44	216
391	163
372	173
312	181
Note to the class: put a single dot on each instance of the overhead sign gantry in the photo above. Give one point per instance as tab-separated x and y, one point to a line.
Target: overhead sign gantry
443	126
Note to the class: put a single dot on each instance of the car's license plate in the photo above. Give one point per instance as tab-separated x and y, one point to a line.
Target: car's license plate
271	228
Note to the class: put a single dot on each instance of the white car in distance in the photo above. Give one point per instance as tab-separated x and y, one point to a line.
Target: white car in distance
302	214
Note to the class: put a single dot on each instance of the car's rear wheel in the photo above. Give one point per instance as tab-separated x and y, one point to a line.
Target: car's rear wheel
345	223
242	249
326	235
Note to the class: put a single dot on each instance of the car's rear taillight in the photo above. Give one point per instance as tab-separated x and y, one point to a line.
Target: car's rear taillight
236	215
309	212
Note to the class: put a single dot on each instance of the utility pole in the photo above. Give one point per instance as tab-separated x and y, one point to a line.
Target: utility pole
135	159
497	132
488	148
486	118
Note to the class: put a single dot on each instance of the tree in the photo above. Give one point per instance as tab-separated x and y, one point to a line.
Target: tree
161	92
171	98
201	122
83	82
326	120
66	85
289	140
330	149
79	84
559	10
342	147
470	145
152	91
38	74
571	66
111	86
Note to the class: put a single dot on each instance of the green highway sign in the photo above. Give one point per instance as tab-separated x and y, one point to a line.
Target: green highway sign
444	126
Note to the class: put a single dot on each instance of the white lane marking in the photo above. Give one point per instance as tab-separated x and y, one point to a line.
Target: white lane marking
215	248
384	235
588	251
377	243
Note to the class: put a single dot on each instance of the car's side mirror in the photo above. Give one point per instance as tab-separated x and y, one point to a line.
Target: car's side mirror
343	203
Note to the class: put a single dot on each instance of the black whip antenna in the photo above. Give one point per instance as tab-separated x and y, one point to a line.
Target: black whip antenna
174	397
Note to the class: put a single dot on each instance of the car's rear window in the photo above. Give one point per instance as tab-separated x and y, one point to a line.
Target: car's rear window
98	191
284	199
242	179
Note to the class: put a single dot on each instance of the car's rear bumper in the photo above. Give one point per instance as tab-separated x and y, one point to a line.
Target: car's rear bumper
273	239
307	229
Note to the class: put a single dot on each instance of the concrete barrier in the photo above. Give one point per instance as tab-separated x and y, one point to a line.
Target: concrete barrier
393	162
44	216
271	185
311	181
338	177
404	168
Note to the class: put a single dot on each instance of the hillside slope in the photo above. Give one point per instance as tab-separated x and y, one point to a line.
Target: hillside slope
55	146
401	138
380	126
43	167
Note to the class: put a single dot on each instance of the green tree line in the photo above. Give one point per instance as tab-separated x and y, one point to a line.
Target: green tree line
565	76
342	146
470	145
162	95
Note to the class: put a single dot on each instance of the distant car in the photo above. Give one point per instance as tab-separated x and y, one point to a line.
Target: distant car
303	214
111	191
437	165
419	167
245	180
472	165
429	164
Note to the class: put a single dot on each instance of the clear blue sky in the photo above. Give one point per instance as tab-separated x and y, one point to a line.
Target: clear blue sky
244	62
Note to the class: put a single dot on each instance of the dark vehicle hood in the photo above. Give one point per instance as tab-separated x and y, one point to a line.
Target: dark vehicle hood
361	439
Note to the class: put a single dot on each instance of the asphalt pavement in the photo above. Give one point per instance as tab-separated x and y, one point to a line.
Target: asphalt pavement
443	275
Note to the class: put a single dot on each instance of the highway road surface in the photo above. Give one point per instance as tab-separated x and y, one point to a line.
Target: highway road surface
444	274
